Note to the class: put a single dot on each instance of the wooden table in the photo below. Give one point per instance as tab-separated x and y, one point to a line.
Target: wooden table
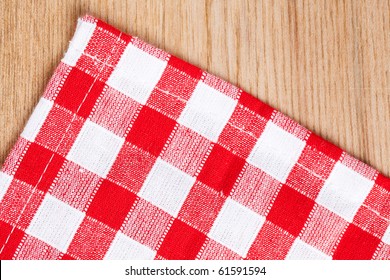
326	64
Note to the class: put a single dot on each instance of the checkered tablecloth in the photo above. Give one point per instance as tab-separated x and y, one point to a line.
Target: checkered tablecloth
132	153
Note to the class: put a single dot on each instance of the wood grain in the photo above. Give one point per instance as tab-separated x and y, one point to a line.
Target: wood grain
326	64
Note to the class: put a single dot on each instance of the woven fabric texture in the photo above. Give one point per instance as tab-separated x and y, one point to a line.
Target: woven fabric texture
132	153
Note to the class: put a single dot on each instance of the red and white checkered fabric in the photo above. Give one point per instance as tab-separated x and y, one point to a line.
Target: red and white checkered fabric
133	153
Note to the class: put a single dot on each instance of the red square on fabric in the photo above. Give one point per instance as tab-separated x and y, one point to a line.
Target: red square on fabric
111	204
201	207
182	242
185	67
272	243
111	29
383	181
255	105
20	203
74	89
13	236
356	244
324	146
92	240
131	167
79	93
151	130
39	165
290	210
221	169
66	257
147	223
60	130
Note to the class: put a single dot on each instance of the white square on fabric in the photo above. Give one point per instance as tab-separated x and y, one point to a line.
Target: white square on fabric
137	73
125	248
236	227
276	152
5	182
166	187
303	251
207	111
344	191
79	42
37	119
95	148
386	236
55	223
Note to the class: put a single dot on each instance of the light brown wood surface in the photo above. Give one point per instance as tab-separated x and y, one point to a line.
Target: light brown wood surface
326	64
